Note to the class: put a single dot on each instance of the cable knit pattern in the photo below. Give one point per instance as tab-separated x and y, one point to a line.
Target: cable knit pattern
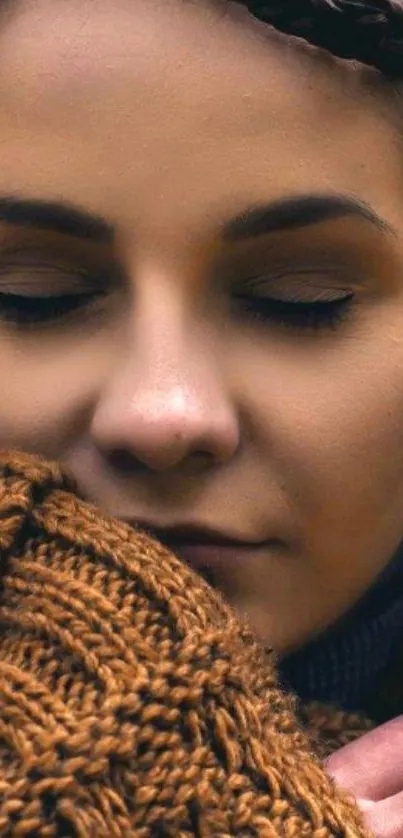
133	703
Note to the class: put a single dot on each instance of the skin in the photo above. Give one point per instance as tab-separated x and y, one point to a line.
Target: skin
167	401
371	767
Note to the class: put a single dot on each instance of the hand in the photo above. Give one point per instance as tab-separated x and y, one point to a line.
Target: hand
372	769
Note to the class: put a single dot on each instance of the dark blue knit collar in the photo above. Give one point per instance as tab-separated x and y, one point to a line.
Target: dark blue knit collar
344	664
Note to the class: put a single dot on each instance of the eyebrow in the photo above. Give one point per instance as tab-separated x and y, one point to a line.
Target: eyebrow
281	215
54	216
298	212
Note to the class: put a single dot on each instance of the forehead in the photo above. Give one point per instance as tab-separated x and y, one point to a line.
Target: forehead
175	108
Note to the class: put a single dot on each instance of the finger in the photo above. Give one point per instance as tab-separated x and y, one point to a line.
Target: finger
371	767
384	819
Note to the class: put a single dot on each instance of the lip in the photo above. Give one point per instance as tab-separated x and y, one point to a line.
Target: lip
214	556
203	547
192	534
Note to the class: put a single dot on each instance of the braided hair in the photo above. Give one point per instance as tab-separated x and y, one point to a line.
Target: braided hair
369	31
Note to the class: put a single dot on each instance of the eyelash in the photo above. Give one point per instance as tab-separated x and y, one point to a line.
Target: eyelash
297	315
22	310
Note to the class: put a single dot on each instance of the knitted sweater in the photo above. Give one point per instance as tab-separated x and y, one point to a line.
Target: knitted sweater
133	703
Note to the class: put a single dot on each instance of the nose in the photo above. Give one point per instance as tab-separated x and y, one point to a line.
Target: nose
167	403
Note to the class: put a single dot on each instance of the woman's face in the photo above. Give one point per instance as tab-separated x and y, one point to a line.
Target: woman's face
210	224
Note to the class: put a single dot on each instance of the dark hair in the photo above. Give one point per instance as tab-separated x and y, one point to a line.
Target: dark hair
370	31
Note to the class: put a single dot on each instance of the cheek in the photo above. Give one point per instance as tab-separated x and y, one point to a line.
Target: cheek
48	393
328	420
351	434
326	426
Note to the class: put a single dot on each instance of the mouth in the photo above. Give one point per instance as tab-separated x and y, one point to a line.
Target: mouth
203	548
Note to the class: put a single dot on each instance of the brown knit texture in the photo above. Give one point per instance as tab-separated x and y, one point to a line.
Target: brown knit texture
132	700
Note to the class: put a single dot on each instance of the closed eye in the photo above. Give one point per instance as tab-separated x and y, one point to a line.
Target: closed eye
296	314
29	310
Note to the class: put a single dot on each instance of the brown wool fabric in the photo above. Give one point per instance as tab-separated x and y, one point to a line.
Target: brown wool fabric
132	701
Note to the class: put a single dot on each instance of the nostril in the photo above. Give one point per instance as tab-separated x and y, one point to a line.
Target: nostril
125	462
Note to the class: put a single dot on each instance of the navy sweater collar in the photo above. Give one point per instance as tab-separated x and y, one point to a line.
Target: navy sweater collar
343	666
